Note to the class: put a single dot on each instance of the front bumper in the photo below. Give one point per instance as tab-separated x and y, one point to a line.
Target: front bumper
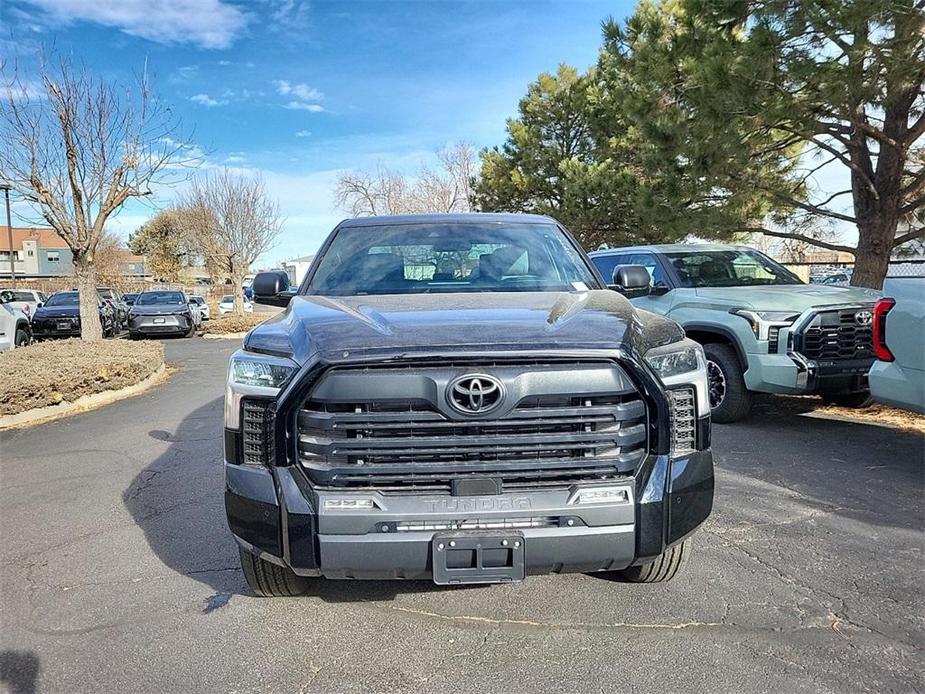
791	374
45	330
277	514
167	323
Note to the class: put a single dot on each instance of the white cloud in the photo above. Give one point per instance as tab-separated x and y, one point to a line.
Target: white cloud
303	133
206	23
208	101
300	91
225	63
302	106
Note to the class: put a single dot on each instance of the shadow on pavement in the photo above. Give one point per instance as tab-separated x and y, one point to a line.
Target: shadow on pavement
858	470
19	670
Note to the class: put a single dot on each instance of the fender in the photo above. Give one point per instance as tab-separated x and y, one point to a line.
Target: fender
723	331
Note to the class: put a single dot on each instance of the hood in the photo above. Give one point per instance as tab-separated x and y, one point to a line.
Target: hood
787	297
158	309
339	328
56	312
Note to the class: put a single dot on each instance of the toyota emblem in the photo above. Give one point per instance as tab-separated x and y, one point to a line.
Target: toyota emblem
863	317
475	393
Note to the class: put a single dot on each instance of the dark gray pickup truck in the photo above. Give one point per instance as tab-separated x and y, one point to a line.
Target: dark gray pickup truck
460	398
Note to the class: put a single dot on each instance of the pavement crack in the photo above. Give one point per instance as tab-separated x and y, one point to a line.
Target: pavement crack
551	625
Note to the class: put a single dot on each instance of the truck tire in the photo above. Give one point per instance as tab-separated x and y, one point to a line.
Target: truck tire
730	400
662	569
22	338
855	401
269	580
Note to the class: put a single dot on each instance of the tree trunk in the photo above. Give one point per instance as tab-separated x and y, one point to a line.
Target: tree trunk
237	279
872	259
90	327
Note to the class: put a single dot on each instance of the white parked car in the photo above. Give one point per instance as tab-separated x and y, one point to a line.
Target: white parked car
27	300
15	330
202	305
226	305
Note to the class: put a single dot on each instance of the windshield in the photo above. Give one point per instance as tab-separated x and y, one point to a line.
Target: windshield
227	299
451	257
22	296
65	299
150	298
729	268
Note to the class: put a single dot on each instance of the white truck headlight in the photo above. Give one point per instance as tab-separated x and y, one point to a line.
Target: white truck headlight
682	369
257	375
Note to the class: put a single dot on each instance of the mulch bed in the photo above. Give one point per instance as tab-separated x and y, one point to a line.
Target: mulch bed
49	373
233	323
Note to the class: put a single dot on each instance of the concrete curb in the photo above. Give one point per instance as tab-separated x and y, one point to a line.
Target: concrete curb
81	404
224	336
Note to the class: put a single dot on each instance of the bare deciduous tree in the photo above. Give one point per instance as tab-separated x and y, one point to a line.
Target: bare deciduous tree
446	188
76	149
235	220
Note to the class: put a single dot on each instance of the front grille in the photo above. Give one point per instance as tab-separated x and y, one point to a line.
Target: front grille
837	335
550	436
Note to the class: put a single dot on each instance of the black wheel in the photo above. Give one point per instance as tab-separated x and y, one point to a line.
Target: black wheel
269	580
854	401
22	338
662	569
134	336
730	400
191	331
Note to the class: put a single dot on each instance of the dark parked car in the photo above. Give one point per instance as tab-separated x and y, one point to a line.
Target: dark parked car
60	317
118	304
162	313
461	398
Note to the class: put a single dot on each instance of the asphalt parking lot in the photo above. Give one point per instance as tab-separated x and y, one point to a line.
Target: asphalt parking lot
118	574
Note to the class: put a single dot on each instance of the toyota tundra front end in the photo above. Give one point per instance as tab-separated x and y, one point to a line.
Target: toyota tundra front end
458	398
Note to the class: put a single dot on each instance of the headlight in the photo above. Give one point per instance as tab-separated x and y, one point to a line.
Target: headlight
682	364
254	374
762	321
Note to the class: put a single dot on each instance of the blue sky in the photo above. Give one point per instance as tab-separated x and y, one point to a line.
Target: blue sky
301	91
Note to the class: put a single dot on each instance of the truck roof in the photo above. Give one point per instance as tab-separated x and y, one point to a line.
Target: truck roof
670	248
454	218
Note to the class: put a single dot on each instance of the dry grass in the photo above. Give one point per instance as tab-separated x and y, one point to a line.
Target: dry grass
875	414
49	373
232	323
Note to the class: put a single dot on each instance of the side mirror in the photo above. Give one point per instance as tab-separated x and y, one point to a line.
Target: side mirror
632	281
39	304
6	297
272	288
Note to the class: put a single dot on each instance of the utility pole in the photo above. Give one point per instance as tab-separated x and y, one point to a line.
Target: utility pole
9	233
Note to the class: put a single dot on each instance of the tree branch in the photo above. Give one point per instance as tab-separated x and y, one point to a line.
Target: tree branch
909	236
800	237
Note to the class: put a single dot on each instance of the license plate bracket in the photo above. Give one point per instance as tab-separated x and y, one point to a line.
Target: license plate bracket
478	557
64	325
158	320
